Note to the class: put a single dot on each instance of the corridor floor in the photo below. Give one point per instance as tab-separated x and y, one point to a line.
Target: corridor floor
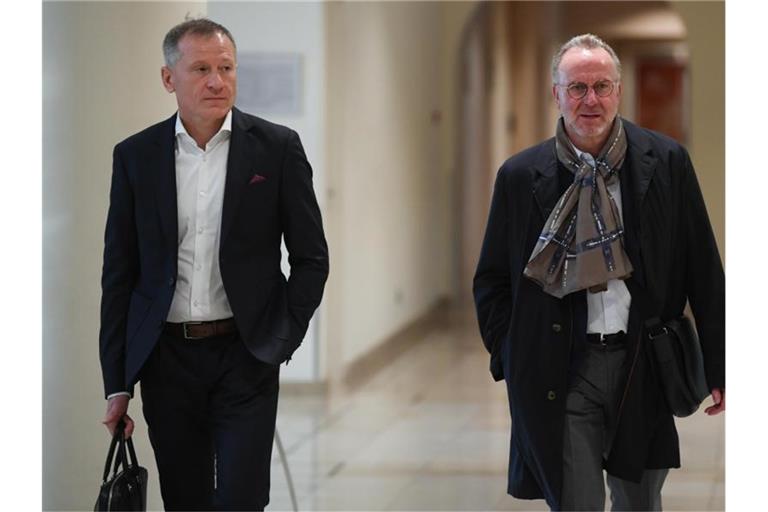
430	431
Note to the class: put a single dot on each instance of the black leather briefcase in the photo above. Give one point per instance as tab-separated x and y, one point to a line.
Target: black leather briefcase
126	489
679	364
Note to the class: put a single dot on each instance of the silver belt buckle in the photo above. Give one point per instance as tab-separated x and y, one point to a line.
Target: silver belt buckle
604	336
187	336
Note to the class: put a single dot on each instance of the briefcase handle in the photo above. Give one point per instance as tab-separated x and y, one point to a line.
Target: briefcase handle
119	442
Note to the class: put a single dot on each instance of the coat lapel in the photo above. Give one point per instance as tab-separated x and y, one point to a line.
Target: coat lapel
243	153
636	176
546	185
164	173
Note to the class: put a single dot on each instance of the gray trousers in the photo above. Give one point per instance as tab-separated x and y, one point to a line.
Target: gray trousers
590	408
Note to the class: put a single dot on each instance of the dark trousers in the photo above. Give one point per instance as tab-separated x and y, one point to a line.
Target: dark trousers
210	407
590	408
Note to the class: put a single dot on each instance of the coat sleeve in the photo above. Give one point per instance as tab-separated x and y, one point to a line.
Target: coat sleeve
119	274
304	238
492	283
704	279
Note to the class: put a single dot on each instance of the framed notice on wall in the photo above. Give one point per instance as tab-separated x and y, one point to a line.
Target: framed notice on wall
270	83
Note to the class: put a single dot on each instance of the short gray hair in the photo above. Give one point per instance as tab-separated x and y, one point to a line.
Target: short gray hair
586	41
197	26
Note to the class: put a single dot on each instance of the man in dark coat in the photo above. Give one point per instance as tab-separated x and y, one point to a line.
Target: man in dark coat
194	302
590	234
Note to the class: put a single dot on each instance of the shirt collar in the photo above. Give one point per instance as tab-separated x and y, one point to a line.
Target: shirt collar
583	154
226	126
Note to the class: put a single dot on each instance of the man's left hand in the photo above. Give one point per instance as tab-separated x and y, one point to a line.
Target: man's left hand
718	396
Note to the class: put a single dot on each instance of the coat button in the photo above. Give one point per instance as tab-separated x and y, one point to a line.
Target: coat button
551	395
171	281
557	327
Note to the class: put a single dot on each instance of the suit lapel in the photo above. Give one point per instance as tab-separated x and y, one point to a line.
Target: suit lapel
243	153
164	173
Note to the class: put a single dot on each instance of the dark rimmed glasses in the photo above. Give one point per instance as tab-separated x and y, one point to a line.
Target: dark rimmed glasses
577	90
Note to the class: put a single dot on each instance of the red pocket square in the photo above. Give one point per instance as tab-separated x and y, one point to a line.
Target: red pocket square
257	178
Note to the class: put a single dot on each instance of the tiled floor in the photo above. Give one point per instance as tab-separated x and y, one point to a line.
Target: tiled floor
430	431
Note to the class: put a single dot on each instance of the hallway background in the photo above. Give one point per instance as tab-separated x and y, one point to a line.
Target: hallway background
406	110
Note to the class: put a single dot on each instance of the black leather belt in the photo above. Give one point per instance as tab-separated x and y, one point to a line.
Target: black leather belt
200	330
607	339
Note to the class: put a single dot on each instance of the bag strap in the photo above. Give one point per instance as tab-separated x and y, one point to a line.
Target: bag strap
110	454
118	442
120	458
133	461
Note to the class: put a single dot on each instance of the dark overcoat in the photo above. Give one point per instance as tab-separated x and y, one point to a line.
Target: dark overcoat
536	340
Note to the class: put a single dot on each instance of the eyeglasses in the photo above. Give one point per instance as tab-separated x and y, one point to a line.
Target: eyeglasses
577	90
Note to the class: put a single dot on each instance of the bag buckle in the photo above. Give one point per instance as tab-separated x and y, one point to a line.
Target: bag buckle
661	332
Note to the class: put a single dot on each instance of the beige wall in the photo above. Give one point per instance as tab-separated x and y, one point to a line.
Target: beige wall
645	20
101	82
534	27
388	192
502	94
475	140
705	22
455	17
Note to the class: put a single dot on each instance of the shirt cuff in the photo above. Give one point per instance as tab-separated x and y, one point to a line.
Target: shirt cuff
118	394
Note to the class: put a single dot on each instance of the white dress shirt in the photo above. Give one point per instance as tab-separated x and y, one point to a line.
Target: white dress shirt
200	178
608	311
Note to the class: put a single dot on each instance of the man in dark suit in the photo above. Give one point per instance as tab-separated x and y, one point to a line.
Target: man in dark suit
590	234
194	303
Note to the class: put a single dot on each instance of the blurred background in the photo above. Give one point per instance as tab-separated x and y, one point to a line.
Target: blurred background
406	110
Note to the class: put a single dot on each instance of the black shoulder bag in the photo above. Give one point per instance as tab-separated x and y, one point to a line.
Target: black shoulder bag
126	489
677	358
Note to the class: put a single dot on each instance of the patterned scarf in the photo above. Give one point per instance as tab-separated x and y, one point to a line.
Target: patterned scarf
581	245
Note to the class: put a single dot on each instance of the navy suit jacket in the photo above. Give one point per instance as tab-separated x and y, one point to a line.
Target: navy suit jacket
268	195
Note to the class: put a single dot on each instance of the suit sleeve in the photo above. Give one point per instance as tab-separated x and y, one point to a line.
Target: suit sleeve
705	280
304	238
119	275
491	285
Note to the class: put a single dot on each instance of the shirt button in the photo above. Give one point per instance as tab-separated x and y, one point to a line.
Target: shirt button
202	193
551	395
195	303
557	327
198	267
199	230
